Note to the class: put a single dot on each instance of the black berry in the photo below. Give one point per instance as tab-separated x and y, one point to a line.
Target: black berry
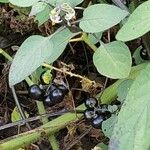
63	88
35	92
91	102
48	101
50	89
89	115
57	95
144	54
106	114
97	122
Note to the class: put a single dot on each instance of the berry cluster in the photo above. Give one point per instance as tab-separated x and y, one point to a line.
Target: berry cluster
95	114
52	95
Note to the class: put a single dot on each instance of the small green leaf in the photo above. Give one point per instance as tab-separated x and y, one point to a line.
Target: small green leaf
132	130
100	17
137	25
35	50
113	60
37	7
123	89
15	115
23	3
47	77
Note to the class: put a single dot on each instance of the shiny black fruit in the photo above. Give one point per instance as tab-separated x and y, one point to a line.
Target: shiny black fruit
89	115
57	95
50	89
63	88
144	54
48	101
91	102
35	92
97	122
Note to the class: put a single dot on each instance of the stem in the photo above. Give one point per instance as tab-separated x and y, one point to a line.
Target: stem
76	40
52	138
68	73
19	107
41	110
7	56
87	41
29	81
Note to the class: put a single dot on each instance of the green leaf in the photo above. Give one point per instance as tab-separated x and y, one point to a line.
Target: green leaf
108	126
34	51
137	25
37	7
43	16
123	89
100	17
15	115
23	3
132	130
113	60
60	41
47	77
4	1
29	57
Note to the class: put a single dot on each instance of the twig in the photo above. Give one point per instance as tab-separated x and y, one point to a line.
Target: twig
19	107
22	122
69	73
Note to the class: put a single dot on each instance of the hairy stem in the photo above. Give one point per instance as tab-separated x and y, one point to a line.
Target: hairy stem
68	73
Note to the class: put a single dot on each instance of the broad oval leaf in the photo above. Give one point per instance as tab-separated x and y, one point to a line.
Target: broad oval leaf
29	57
36	50
23	3
137	25
113	60
132	130
100	17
